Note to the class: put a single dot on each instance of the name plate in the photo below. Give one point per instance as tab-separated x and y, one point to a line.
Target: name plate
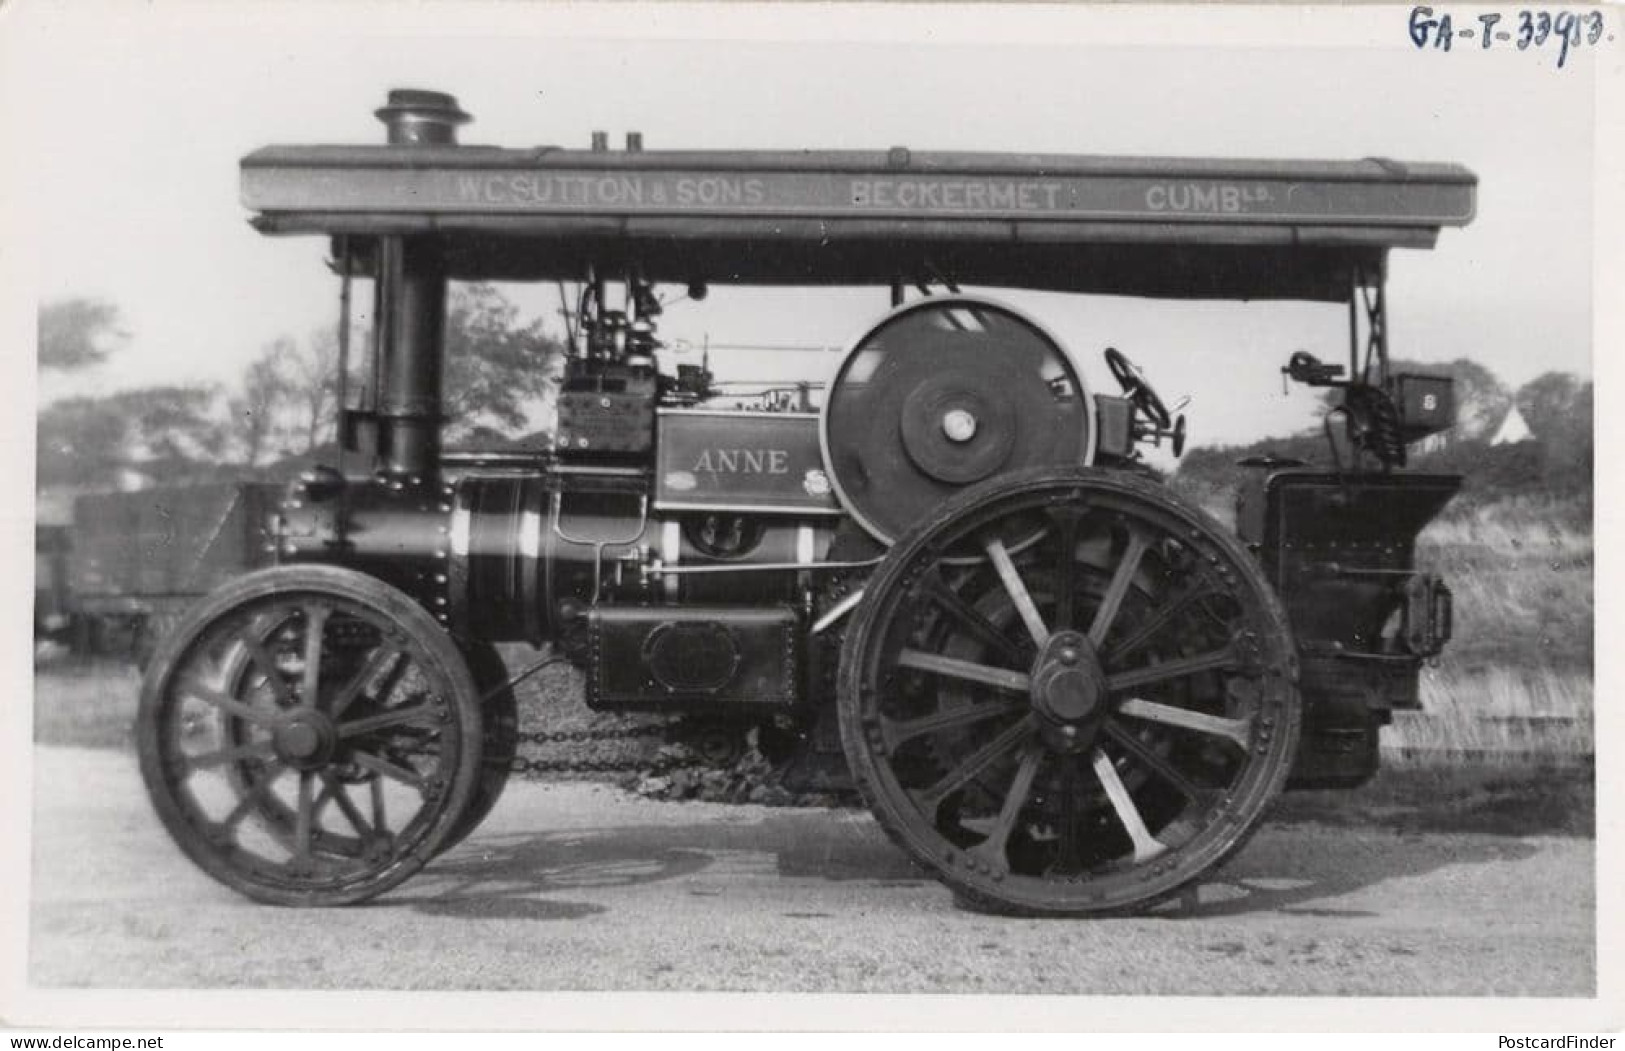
758	462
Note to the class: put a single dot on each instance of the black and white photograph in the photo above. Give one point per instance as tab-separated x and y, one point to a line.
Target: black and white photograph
1063	506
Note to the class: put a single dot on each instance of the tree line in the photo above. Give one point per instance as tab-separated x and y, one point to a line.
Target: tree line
500	372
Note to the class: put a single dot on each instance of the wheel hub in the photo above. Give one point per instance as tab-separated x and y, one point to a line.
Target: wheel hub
305	740
1069	691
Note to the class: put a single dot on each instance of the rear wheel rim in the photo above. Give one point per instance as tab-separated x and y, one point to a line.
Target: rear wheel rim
1155	748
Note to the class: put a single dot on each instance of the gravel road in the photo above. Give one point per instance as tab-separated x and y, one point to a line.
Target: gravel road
582	886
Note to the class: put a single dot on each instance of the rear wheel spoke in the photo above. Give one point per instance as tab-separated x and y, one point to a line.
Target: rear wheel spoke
1122	580
1237	730
1152	761
975	625
973	764
899	730
992	849
1146	846
1069	852
1153	625
1066	521
1178	668
1017	590
969	671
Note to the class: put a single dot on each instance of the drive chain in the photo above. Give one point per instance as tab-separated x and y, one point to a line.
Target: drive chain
657	765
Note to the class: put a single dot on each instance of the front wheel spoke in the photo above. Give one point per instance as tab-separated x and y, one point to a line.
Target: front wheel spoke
358	682
315	627
1146	846
1017	590
1237	730
1154	624
393	771
376	791
992	848
1177	668
954	668
252	798
897	731
974	764
346	805
230	705
305	818
256	750
259	655
1121	580
384	720
1152	761
976	625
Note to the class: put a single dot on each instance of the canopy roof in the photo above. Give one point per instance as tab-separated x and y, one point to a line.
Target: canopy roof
1137	226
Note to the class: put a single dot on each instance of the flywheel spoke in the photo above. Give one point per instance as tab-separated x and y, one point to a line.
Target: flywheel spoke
971	620
1178	668
1237	730
970	671
1122	579
975	763
899	730
993	847
1146	846
1017	590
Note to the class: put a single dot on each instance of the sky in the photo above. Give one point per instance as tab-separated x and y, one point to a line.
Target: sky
134	125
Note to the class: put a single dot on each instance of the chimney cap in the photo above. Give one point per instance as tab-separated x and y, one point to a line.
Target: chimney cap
415	116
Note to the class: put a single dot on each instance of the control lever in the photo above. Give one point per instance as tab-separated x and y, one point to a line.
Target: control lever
1303	367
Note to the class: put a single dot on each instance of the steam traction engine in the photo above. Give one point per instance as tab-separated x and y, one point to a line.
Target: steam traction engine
1060	687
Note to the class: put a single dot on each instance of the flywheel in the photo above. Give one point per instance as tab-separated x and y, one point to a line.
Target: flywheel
941	394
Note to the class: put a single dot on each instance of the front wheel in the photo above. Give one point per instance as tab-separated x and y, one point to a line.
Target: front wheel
1068	692
309	736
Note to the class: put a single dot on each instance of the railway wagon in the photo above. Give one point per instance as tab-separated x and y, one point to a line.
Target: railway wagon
130	563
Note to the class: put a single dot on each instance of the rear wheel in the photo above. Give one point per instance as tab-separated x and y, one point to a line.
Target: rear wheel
309	736
1068	692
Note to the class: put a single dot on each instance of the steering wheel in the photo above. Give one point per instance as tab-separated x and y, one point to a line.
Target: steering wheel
1136	389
